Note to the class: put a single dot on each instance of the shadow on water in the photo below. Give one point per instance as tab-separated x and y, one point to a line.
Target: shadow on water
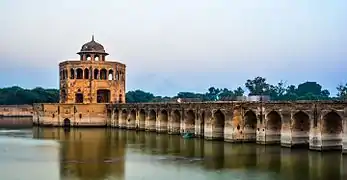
104	153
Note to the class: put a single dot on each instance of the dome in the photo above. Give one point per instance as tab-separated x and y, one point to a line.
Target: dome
92	47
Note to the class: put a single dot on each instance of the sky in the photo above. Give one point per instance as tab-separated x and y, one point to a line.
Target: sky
174	46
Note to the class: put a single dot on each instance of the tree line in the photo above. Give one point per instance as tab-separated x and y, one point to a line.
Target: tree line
257	86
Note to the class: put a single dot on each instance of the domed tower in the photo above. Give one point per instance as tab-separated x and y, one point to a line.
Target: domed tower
92	79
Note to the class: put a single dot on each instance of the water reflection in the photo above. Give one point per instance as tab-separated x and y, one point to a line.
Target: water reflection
121	154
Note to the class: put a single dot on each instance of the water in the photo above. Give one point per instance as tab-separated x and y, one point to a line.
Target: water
100	154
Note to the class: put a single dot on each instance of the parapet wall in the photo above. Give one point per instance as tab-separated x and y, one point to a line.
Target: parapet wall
16	110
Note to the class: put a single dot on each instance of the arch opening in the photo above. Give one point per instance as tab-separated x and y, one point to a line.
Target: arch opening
301	122
79	97
189	124
132	119
332	123
67	122
124	117
175	124
110	74
103	96
274	121
219	124
96	58
103	74
72	73
163	121
96	73
142	118
250	120
79	73
115	117
152	120
202	123
86	73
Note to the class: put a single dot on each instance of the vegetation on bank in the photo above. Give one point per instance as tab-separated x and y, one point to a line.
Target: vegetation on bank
256	86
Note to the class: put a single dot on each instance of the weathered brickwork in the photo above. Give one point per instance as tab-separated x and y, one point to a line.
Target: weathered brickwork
92	79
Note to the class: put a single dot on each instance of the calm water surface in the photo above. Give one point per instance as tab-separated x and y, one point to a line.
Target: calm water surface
99	154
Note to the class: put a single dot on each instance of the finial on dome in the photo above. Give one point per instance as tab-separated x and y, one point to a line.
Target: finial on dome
93	37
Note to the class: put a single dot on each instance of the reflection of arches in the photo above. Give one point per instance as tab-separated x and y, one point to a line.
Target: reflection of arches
103	74
219	124
67	122
301	122
142	118
86	73
79	73
103	96
250	120
79	98
332	123
96	73
273	121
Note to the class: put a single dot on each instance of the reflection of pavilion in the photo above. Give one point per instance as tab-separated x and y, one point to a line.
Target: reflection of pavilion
89	154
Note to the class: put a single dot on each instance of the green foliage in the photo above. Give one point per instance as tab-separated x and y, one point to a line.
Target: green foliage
257	86
17	95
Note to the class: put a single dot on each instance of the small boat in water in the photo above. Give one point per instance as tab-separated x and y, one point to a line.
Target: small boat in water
188	135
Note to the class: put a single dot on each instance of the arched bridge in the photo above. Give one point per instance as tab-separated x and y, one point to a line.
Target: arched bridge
316	124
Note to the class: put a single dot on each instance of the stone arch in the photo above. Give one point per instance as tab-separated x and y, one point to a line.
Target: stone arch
86	73
218	125
152	118
72	73
163	120
142	118
88	57
132	119
79	73
274	121
123	120
301	122
189	122
250	120
67	122
250	126
110	74
96	73
103	74
273	128
96	58
175	122
332	123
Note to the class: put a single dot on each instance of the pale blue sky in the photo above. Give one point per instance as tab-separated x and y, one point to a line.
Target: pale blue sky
181	45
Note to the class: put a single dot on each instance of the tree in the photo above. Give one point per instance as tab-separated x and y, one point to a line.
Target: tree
342	91
257	86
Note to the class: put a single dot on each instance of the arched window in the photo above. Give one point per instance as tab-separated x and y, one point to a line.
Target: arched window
96	58
72	73
96	73
86	73
103	74
79	73
110	74
88	57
